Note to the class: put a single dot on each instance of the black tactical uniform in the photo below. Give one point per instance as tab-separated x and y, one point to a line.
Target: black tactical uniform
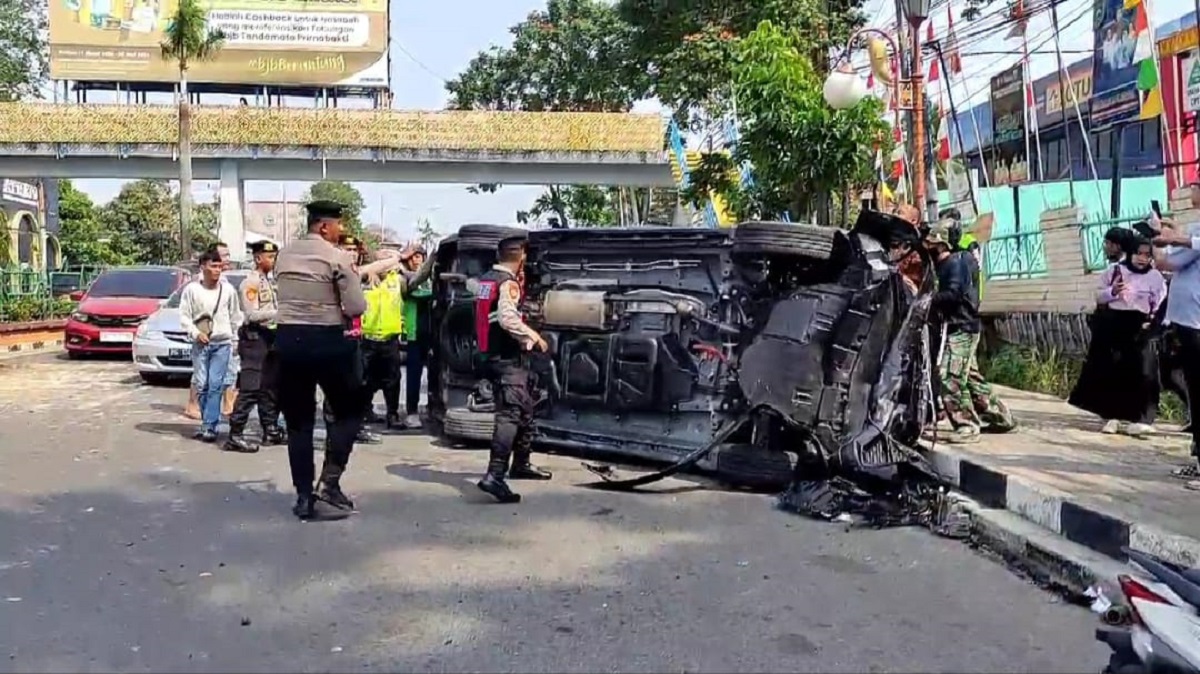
503	340
259	374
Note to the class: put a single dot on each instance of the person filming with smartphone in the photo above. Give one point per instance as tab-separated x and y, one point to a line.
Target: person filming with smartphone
1119	381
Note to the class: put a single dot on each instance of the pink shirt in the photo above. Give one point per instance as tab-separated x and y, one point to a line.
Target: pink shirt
1143	292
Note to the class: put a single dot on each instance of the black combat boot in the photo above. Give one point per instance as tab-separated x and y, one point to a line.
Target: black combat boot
330	491
274	435
306	507
523	470
238	443
493	484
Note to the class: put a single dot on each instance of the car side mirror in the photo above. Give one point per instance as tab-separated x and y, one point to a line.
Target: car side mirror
76	295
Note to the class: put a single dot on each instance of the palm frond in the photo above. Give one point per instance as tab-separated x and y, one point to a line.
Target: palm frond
188	38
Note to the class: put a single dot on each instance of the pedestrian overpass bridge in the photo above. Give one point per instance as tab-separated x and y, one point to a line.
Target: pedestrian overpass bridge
234	144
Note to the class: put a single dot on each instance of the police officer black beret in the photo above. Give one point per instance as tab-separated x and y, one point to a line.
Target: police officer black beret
324	208
263	247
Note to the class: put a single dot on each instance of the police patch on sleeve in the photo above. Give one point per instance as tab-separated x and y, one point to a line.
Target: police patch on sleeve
513	291
252	294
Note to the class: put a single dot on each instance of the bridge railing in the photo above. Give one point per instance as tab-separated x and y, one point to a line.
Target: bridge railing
46	123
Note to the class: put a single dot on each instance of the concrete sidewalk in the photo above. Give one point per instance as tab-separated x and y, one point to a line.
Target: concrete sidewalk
1098	491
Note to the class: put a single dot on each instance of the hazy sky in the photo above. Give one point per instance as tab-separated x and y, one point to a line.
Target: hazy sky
433	42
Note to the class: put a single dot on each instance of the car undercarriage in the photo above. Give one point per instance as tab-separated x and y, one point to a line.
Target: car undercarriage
758	355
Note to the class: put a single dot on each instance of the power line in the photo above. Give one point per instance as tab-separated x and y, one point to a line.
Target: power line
419	63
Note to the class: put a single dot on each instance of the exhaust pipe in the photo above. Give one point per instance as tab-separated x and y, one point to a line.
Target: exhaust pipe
1116	615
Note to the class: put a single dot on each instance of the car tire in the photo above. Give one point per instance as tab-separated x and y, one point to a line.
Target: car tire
485	237
788	240
751	467
76	355
154	378
460	423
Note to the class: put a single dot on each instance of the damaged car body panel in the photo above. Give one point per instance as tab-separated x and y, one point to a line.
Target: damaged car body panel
750	354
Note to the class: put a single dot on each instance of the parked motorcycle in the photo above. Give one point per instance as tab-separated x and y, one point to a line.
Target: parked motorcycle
1156	628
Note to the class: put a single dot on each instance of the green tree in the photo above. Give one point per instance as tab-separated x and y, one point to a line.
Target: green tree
801	149
24	56
82	233
691	48
570	204
187	40
140	222
346	195
573	56
427	234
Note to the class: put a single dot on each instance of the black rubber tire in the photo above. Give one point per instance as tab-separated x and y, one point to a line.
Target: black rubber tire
787	239
460	423
755	468
485	237
155	378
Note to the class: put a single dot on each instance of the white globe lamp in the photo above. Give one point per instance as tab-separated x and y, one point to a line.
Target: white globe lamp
844	89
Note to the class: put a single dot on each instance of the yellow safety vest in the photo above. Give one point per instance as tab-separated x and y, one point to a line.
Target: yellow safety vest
384	318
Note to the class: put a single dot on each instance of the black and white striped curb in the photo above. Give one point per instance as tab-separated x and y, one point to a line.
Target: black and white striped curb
1065	515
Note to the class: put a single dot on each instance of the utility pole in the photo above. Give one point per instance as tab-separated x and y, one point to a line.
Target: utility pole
917	13
905	70
957	129
1063	83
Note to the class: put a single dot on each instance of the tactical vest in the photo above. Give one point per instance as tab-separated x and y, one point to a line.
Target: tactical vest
493	340
384	317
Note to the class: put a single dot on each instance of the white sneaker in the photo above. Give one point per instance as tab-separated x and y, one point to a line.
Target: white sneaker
412	421
1139	430
1111	427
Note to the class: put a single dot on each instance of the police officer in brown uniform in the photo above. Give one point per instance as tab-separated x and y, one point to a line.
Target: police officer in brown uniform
504	341
319	296
258	377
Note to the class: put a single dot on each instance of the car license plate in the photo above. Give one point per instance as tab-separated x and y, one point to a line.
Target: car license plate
179	354
116	337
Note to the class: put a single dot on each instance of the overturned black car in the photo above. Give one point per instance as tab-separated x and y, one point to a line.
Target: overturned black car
752	353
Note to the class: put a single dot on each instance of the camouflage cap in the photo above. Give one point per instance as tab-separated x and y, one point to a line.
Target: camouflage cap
939	233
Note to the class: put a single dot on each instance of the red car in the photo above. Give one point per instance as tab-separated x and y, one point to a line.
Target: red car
113	306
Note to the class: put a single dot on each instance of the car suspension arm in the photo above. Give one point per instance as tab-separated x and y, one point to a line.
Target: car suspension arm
610	482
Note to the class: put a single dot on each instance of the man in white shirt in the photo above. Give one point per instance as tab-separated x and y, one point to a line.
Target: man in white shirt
211	314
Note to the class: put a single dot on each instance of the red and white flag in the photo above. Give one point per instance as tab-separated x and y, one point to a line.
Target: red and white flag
950	47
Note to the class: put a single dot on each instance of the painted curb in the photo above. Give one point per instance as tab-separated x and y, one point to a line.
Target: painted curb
40	343
1059	513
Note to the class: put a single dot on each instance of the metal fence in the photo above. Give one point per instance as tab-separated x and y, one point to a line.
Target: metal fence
1015	256
1092	235
28	295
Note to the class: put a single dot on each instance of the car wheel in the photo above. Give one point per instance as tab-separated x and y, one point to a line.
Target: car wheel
751	467
788	239
154	378
460	423
485	237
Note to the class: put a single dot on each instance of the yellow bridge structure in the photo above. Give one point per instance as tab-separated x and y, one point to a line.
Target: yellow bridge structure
374	145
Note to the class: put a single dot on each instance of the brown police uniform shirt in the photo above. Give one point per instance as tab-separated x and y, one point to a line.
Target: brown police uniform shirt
316	284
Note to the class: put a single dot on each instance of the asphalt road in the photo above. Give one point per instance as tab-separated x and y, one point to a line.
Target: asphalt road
128	547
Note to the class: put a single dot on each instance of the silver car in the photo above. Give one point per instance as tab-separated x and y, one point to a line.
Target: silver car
161	350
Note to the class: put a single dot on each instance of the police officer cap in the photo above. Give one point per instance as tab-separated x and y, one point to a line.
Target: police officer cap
263	247
348	240
324	208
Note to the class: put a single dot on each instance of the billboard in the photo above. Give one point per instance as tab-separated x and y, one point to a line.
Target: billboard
267	42
1008	161
1115	97
1051	102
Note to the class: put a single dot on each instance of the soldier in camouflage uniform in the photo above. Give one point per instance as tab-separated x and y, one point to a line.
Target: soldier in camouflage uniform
968	399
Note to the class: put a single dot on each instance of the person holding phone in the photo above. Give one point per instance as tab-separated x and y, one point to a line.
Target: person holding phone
210	314
1119	381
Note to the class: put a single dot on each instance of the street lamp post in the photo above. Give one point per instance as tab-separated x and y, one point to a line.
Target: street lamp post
918	11
844	90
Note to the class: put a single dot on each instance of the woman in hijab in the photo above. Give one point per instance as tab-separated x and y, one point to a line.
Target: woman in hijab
1119	381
